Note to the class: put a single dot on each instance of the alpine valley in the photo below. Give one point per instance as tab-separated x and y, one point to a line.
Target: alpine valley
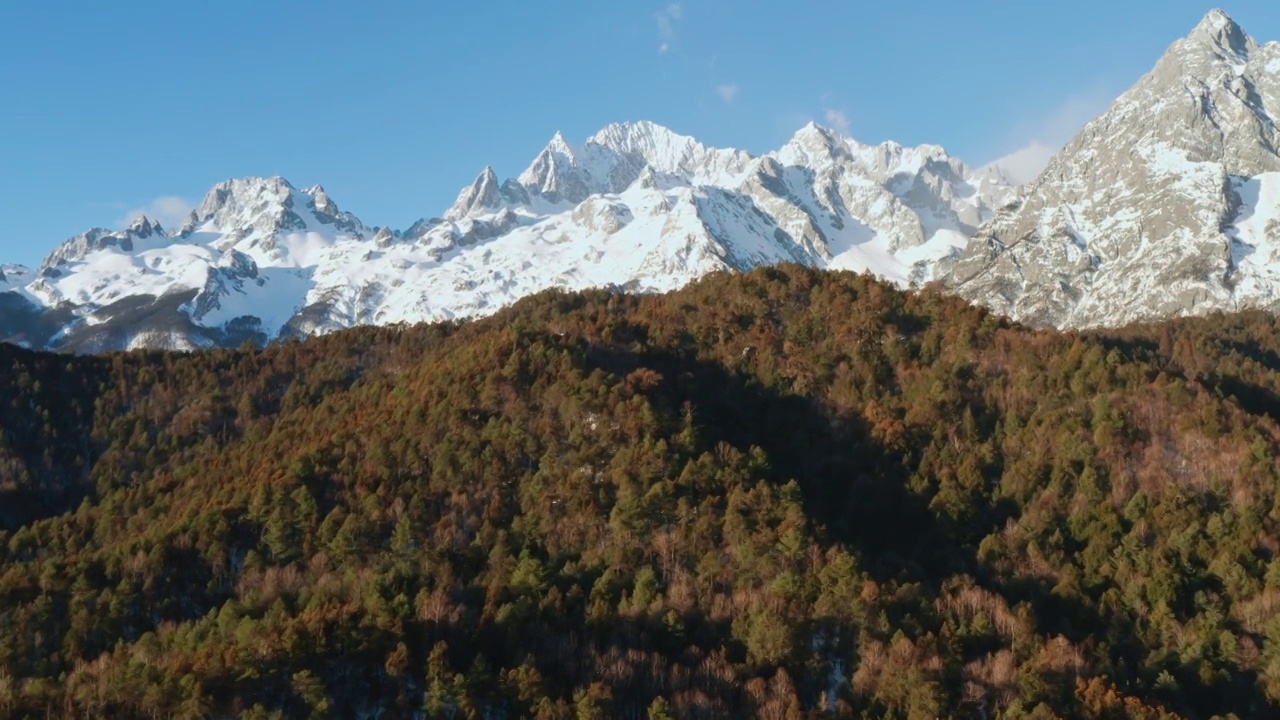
1177	214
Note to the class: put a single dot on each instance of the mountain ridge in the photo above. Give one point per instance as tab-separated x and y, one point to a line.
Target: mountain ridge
636	205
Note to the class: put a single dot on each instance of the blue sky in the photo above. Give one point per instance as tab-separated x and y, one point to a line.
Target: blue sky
107	108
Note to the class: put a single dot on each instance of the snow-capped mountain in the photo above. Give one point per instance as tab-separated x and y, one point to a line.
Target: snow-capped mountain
1167	204
636	206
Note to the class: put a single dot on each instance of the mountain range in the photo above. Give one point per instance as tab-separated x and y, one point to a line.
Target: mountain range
1168	204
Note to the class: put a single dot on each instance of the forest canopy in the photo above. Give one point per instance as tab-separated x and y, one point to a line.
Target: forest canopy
781	494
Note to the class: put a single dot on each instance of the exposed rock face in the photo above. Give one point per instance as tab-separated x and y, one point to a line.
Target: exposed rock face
481	196
1163	206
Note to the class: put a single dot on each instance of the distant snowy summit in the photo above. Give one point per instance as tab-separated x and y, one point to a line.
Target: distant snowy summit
1167	204
636	206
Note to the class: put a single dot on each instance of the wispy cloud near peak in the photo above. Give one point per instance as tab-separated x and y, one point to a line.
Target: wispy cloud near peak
667	20
170	210
837	120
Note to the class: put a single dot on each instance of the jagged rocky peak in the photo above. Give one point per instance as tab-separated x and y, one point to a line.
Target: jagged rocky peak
265	206
384	237
818	147
637	136
560	146
143	227
1157	208
1218	29
811	133
79	246
325	211
1212	95
810	144
1216	51
667	151
558	156
479	197
238	192
321	201
611	160
259	203
554	174
890	157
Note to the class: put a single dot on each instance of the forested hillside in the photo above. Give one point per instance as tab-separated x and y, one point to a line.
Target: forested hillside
784	494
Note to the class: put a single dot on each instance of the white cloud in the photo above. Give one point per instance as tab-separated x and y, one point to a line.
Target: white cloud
837	120
1026	163
170	210
667	20
1036	141
727	92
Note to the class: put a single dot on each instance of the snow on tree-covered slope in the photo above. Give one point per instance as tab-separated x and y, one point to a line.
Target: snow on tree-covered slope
636	206
1165	205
